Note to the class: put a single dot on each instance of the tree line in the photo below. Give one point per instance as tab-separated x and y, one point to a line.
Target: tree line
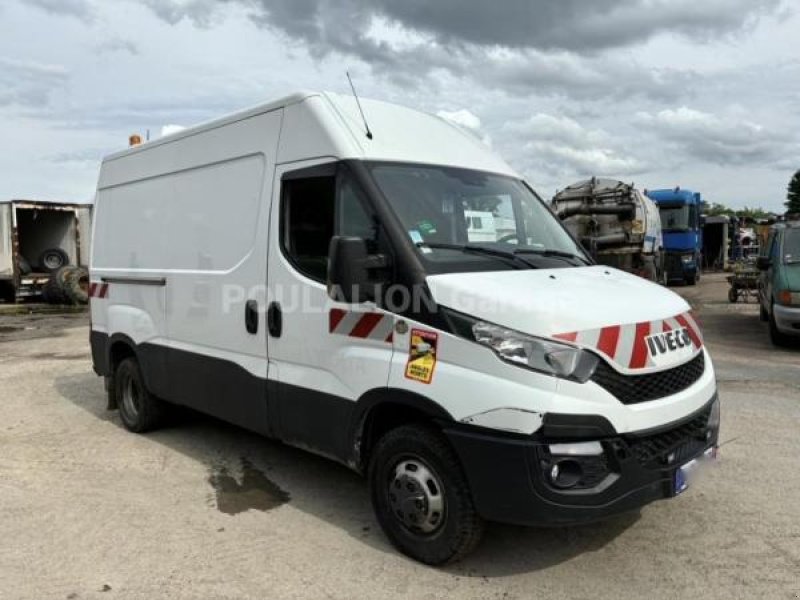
714	209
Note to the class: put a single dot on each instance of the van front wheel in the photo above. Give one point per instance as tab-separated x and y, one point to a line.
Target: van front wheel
421	496
139	410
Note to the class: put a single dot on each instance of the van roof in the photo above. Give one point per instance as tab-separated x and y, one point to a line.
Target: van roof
213	124
399	133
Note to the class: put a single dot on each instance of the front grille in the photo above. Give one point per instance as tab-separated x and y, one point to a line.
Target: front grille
633	389
673	265
684	441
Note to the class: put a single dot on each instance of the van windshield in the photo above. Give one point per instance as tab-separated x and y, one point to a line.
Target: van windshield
464	220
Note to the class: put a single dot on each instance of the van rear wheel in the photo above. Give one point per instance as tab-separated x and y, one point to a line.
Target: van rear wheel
421	497
139	410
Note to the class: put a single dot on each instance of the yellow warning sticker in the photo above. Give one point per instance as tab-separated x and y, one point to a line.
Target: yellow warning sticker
422	355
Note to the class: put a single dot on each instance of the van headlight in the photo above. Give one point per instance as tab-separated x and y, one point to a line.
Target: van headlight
538	354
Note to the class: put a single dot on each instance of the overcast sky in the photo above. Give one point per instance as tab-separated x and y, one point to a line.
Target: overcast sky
704	94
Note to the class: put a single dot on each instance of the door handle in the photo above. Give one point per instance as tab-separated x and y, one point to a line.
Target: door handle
251	316
275	320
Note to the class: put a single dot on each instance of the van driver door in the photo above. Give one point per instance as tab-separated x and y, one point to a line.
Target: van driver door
323	354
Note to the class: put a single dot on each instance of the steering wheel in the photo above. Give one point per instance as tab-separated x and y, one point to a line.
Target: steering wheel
506	239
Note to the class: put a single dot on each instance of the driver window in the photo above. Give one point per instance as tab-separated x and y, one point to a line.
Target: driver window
313	211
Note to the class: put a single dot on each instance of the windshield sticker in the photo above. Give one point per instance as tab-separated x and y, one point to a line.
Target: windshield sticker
426	227
422	355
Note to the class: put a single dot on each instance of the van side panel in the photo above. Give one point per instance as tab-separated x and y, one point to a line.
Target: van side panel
6	248
195	213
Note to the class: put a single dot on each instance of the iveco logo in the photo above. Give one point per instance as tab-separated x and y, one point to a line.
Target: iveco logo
668	341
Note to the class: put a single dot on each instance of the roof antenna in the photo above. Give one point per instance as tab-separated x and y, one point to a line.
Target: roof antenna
361	110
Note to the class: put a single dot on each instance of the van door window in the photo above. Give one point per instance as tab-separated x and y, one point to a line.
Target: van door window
313	211
308	217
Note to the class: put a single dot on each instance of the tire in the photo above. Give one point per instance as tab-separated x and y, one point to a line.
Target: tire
139	410
733	295
52	292
52	259
419	456
75	285
763	315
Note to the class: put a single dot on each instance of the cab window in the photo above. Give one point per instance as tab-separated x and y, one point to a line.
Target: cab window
313	210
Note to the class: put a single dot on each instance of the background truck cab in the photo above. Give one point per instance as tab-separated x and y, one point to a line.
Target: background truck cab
683	236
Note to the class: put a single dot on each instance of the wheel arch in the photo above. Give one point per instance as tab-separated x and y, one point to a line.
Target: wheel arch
382	409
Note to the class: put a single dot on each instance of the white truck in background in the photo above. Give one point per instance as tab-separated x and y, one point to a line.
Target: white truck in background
44	249
616	223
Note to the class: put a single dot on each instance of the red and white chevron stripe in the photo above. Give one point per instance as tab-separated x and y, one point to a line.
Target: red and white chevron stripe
98	290
365	325
626	344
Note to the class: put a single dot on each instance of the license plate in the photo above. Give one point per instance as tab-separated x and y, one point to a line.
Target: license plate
686	474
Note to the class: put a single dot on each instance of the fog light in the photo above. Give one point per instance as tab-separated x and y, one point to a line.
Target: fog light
566	473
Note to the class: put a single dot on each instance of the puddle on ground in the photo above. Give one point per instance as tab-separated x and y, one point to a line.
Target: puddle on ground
53	356
254	491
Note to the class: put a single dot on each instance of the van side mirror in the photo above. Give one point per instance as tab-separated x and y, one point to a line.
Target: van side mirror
351	270
763	263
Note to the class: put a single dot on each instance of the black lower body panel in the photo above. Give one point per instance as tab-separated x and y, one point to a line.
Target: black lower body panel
223	389
510	475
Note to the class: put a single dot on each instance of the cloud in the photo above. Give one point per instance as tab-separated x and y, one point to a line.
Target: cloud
119	45
28	83
200	12
527	47
81	156
542	24
583	78
563	148
80	9
728	141
468	121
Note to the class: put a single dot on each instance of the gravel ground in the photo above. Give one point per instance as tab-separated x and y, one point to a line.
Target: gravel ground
202	509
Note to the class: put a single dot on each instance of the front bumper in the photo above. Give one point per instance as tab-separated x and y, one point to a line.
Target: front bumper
509	475
787	319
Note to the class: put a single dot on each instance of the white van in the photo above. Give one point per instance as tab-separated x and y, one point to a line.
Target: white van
294	272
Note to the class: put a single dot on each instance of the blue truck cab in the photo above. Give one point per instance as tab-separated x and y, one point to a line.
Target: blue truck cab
680	223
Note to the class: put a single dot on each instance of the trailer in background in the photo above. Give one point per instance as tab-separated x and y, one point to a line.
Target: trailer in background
616	223
716	242
44	250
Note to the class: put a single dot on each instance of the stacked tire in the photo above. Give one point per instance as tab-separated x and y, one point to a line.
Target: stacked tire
67	285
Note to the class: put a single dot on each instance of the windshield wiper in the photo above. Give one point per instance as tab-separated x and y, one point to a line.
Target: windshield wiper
478	250
549	253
